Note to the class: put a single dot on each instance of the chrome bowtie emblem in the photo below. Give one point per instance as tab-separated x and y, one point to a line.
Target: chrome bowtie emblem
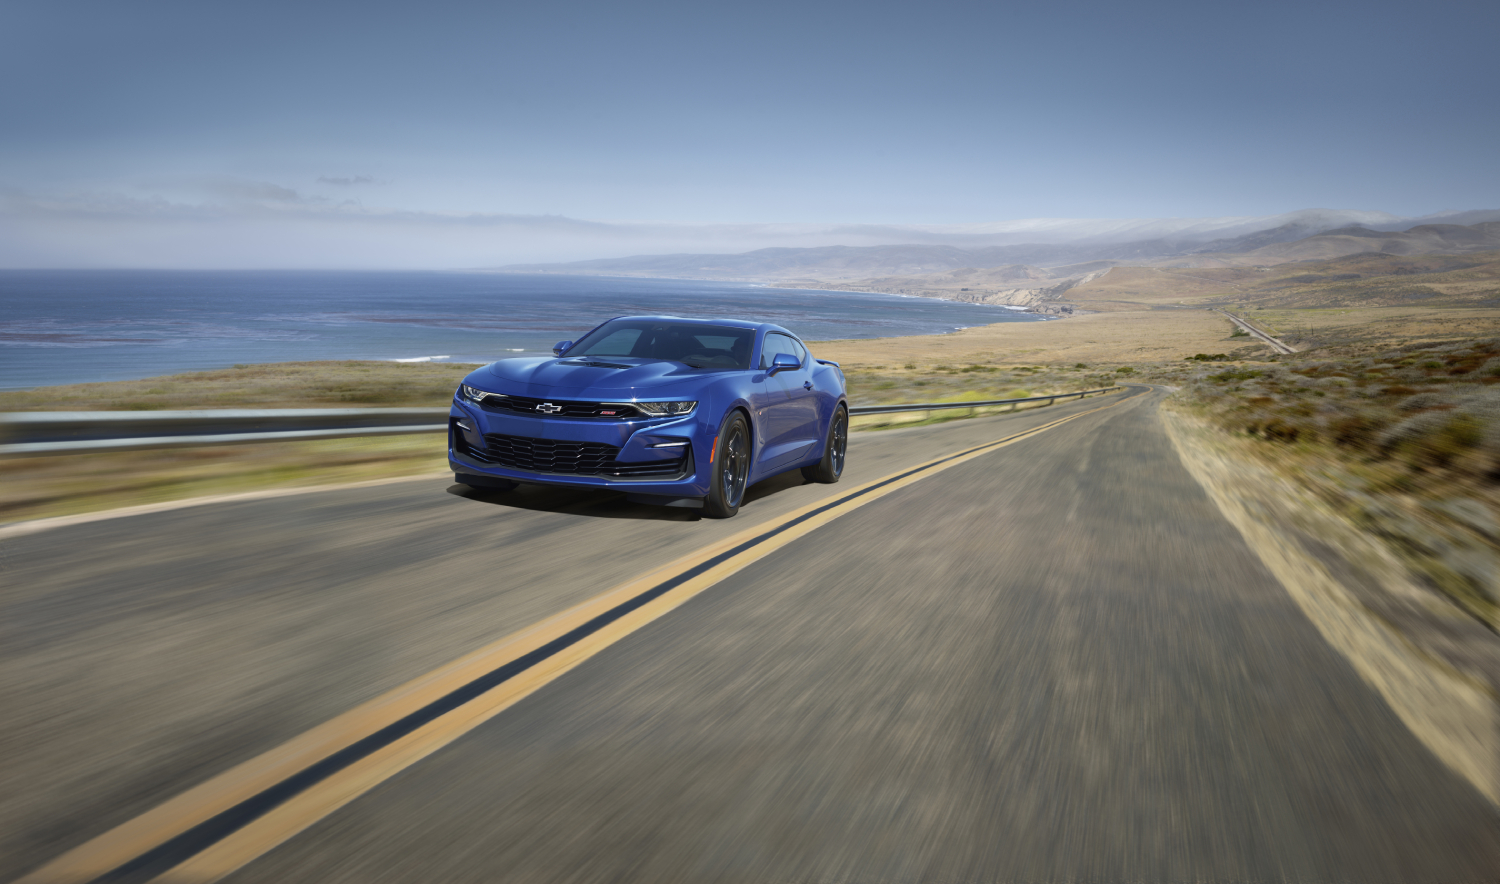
549	408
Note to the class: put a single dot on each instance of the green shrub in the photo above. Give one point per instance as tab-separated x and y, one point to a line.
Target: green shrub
1235	374
1124	369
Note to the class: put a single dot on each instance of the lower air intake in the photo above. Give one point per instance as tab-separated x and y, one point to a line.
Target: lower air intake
533	455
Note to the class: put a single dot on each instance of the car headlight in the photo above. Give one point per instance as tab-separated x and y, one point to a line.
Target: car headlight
657	409
475	395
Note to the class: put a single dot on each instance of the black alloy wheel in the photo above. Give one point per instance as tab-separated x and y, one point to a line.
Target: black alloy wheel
730	470
831	467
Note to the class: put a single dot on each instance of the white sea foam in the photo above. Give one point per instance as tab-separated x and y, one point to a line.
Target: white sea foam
423	359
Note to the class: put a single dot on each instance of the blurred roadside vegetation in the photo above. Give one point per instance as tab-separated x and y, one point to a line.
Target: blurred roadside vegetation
351	384
1403	440
41	487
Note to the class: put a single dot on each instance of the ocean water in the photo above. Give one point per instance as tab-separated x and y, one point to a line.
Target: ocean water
62	327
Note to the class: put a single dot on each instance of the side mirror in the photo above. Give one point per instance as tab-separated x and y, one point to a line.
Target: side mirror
784	362
560	347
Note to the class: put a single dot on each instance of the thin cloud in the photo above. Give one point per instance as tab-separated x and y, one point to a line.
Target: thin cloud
252	191
347	182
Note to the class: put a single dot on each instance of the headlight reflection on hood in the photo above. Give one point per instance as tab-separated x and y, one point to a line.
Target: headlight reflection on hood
656	409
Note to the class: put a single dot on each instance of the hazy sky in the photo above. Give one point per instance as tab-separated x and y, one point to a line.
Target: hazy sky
178	121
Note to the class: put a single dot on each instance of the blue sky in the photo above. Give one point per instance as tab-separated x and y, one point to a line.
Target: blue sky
187	115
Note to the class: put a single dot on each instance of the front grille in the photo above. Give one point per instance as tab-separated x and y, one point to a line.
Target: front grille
570	408
570	458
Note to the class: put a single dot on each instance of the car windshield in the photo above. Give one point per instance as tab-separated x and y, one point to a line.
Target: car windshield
700	346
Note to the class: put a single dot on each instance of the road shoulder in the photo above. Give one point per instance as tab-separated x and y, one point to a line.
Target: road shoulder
1428	660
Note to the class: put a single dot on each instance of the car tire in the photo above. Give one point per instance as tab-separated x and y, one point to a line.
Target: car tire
831	467
729	473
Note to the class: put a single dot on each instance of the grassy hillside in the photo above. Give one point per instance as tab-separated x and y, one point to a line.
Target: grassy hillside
1434	265
1365	280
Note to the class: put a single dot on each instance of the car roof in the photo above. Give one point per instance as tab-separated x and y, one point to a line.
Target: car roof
732	323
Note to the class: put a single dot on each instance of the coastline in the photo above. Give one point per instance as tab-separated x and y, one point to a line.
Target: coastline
1007	359
65	328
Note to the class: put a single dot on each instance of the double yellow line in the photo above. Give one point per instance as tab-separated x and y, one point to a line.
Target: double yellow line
219	826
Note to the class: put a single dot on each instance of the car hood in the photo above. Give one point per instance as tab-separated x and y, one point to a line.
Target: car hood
586	378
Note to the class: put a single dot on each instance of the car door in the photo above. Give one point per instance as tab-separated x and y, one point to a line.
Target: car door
790	413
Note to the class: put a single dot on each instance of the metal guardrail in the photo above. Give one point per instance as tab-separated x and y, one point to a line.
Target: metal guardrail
36	433
66	432
859	410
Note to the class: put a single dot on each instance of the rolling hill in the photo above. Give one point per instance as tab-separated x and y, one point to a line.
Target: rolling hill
1037	275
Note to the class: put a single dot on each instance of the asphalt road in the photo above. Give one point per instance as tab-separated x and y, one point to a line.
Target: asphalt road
1054	662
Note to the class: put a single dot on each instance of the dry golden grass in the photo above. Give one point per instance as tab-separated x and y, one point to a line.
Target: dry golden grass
1393	326
39	487
1104	340
275	385
1132	288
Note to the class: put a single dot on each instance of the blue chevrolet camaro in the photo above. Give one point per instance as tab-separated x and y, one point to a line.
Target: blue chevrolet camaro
679	412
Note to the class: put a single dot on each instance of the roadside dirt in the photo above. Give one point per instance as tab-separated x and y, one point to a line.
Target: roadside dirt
1437	666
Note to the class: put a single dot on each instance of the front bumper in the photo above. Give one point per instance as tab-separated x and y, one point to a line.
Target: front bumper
582	453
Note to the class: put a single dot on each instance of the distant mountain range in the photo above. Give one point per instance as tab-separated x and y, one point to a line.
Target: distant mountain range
1059	242
1036	276
1424	239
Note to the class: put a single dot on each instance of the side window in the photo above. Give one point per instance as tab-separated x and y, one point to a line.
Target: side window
800	350
776	344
